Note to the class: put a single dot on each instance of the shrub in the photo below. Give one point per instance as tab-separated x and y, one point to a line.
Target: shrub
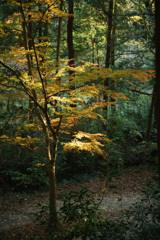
33	177
144	218
82	219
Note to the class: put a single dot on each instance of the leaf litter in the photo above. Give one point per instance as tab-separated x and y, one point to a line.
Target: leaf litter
18	212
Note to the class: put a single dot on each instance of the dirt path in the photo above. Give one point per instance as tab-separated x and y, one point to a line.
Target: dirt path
18	211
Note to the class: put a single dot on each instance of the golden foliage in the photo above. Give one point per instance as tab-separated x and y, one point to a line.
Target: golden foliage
25	142
88	142
54	93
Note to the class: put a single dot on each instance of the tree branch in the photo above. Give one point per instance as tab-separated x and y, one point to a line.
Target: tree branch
42	18
137	91
26	90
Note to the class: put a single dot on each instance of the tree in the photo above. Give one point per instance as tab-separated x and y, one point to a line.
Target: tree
108	53
59	37
157	84
70	46
29	69
43	91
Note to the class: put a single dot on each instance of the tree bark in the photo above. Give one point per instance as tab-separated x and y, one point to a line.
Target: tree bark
157	84
70	34
108	55
27	37
31	105
98	63
113	106
150	116
54	223
59	39
109	34
70	45
58	52
93	49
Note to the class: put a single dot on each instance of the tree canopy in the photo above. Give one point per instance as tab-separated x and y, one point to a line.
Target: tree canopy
67	69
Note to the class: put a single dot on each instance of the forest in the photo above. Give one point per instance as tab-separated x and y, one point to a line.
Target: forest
80	119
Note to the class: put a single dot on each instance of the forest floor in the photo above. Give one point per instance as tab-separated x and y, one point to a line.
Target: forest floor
18	212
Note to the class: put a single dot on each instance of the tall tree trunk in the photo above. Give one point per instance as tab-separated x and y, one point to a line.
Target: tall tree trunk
98	63
70	45
108	55
93	49
150	116
40	32
109	34
71	64
59	38
157	87
113	106
30	74
54	223
58	52
27	36
70	34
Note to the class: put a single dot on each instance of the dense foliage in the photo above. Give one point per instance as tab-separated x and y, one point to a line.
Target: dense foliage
77	98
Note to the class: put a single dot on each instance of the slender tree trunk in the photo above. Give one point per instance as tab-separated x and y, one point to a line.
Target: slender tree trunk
71	64
58	52
40	26
113	106
98	63
30	74
70	45
108	55
109	34
59	39
150	116
27	36
70	34
54	223
93	49
157	86
40	32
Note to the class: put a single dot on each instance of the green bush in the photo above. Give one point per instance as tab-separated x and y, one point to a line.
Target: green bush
33	177
144	218
82	219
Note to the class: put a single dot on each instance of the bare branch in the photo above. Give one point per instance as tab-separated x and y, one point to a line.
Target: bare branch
35	53
26	90
39	71
137	91
12	86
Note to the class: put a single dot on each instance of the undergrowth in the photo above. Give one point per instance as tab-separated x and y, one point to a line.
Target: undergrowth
82	218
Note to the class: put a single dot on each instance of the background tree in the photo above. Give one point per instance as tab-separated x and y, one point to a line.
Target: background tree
108	53
157	84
